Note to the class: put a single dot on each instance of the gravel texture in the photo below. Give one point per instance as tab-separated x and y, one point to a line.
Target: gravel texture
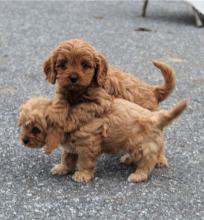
29	30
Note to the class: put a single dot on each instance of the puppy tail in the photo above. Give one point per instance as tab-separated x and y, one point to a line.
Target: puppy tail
166	117
163	91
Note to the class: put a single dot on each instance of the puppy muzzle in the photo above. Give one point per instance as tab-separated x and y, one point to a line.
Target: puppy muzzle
25	141
73	78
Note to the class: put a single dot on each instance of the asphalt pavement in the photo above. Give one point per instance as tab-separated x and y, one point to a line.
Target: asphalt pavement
28	32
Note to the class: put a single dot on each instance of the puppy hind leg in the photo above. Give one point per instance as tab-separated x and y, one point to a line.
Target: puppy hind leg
162	161
132	158
145	165
126	159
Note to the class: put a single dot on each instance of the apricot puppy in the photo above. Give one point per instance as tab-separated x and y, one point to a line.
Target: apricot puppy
127	128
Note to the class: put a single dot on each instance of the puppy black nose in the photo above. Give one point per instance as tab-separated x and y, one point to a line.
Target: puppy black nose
25	141
73	78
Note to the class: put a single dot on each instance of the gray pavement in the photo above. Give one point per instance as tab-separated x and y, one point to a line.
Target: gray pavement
28	31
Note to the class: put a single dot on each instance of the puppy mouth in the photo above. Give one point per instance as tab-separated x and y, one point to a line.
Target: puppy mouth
76	87
34	146
73	86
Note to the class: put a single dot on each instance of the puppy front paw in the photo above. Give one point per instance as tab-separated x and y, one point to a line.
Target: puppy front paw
82	176
59	169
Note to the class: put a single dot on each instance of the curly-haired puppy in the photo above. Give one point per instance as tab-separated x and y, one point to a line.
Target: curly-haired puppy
83	76
75	65
127	128
36	132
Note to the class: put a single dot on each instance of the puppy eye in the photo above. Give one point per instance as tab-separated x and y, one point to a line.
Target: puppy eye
86	65
35	130
62	65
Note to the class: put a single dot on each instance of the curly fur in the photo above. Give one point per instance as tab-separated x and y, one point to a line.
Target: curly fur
127	128
36	132
76	103
115	81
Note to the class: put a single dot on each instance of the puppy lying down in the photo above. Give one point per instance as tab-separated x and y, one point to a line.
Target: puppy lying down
128	129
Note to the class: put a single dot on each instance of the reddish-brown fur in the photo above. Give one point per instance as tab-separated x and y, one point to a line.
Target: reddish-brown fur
116	82
36	132
77	103
127	128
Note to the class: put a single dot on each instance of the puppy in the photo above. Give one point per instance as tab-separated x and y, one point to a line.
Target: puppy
75	65
78	74
84	80
36	132
127	128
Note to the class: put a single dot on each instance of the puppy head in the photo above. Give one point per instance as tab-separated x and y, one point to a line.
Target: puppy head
32	122
75	65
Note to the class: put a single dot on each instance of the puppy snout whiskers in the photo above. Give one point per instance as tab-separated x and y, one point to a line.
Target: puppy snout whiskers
73	78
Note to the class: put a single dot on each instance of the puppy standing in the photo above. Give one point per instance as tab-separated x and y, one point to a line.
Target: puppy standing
128	128
84	79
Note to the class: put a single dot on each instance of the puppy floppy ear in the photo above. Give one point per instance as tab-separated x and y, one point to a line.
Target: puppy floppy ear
49	70
101	70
